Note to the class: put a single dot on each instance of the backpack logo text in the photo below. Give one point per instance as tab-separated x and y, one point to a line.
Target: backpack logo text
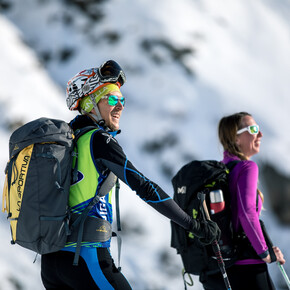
181	190
22	175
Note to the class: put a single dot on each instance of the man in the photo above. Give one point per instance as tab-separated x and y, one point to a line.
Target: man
96	94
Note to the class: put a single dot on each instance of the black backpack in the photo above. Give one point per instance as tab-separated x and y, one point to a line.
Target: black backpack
192	185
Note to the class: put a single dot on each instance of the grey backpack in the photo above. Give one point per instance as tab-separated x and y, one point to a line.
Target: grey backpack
36	191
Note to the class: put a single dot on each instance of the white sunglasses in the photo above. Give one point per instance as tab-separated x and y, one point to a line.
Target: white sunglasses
252	129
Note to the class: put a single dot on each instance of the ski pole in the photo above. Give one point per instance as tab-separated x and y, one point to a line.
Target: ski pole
284	274
270	246
218	254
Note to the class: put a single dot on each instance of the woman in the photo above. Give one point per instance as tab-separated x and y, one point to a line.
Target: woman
240	137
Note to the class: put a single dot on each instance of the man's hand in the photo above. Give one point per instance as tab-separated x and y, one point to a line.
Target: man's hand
206	231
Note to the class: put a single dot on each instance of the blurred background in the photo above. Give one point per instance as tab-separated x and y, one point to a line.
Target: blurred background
188	63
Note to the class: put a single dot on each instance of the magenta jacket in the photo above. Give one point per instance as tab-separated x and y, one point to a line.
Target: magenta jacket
243	181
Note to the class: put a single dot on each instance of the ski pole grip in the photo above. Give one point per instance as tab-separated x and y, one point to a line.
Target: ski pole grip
268	242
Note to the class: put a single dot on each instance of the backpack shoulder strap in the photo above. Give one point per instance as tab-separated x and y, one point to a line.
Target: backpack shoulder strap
80	221
106	186
79	132
232	164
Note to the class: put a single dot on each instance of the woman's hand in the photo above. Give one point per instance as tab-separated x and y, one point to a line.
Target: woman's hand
267	259
279	256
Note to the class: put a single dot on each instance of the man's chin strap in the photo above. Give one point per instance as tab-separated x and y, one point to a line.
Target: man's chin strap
95	118
98	116
99	121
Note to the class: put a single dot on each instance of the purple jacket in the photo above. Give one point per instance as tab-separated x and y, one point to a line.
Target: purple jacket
243	181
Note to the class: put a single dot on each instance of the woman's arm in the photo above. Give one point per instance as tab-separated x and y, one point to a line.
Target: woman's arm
248	213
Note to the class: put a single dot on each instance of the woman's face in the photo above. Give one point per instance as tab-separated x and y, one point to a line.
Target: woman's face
249	144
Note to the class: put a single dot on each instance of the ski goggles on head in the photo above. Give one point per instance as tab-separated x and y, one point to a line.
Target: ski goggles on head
113	100
111	72
252	129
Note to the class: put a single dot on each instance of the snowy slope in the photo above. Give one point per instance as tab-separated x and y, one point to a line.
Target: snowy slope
23	96
237	53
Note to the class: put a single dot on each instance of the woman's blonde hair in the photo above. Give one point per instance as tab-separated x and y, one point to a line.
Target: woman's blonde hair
227	132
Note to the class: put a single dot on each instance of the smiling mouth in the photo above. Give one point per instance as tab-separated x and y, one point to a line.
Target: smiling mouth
116	116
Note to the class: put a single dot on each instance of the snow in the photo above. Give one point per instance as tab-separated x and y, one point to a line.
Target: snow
238	54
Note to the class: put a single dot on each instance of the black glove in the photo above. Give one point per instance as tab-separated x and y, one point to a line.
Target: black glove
206	231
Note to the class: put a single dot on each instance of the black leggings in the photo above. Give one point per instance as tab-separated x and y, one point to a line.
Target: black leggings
96	270
241	277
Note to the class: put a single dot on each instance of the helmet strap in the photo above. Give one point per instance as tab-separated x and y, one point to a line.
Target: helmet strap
97	120
98	116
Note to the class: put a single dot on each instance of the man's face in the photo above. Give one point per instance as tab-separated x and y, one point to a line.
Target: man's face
111	114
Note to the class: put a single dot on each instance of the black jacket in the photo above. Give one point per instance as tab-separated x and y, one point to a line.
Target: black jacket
109	155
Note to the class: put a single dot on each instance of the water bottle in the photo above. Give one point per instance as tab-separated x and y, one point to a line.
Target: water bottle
217	202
